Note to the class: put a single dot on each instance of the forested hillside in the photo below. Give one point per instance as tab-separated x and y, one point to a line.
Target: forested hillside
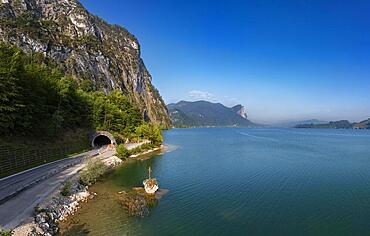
86	48
37	99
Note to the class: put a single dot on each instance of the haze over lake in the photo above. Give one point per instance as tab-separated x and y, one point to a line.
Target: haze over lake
233	181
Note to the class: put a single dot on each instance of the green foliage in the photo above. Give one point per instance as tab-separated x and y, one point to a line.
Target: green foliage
89	41
29	23
11	71
66	189
93	171
122	151
21	153
37	99
140	149
151	132
113	113
87	86
6	232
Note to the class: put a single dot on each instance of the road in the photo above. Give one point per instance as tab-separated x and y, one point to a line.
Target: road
17	204
9	186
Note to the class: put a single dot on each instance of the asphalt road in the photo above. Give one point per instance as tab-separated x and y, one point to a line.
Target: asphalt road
10	186
19	207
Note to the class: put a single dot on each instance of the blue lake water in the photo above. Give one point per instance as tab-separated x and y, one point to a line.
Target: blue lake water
235	181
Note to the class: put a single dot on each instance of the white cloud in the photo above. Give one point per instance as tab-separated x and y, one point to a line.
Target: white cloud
201	95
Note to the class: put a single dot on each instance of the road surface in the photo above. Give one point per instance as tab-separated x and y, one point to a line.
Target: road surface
17	206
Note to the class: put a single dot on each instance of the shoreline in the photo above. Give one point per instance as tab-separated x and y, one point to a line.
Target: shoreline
149	151
56	207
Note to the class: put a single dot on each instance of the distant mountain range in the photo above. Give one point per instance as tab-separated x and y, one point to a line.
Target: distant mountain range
341	124
204	113
291	124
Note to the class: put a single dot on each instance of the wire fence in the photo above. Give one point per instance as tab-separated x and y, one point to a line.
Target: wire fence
14	159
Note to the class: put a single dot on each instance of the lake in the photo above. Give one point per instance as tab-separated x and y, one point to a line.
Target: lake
236	181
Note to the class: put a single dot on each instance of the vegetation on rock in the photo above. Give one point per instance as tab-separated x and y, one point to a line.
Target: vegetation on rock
151	132
141	148
36	98
93	171
6	232
66	189
122	151
86	48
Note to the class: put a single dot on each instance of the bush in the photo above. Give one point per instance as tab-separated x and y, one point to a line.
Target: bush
93	171
151	132
122	151
144	147
6	232
66	189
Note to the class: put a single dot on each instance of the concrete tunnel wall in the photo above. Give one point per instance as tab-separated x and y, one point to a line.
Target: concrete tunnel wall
100	138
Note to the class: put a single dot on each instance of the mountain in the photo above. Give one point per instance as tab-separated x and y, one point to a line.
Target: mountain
341	124
362	125
240	110
203	113
290	124
85	47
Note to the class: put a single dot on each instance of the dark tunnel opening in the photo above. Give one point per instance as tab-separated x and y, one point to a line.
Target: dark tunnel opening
101	140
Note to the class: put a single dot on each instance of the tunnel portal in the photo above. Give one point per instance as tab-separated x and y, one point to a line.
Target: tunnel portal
102	138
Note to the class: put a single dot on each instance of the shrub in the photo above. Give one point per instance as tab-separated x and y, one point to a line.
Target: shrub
151	132
93	171
66	189
144	147
122	151
6	232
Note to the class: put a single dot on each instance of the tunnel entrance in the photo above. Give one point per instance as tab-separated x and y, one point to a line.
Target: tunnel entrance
101	140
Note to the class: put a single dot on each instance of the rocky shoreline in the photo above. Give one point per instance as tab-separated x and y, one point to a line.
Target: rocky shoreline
147	151
57	207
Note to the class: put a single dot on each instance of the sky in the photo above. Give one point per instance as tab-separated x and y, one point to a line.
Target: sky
282	60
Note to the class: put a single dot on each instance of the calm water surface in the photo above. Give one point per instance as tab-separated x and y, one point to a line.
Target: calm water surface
234	181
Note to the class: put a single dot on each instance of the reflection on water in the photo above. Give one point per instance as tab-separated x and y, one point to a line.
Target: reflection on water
305	182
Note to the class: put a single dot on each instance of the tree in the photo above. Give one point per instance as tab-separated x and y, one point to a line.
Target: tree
11	70
122	151
151	132
37	99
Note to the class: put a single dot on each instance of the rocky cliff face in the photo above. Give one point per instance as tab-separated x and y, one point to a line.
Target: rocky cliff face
240	110
85	46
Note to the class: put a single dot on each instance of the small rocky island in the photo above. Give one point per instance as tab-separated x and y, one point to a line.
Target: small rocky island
140	200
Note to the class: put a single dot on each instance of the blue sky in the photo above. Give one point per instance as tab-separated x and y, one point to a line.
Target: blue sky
283	60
